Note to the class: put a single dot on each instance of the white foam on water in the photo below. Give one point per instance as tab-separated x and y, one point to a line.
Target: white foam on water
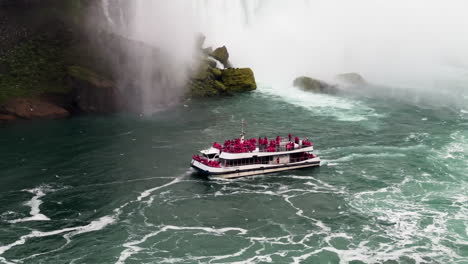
132	248
342	109
4	261
35	203
95	225
400	218
368	156
149	191
70	232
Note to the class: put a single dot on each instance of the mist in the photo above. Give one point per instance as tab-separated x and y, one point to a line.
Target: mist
417	44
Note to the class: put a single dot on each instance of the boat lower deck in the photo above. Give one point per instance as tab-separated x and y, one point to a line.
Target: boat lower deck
242	171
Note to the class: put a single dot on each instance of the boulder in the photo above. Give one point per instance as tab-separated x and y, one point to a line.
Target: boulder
32	108
222	55
93	93
351	78
313	85
238	80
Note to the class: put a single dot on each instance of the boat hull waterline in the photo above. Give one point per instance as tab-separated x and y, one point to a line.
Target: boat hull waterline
250	170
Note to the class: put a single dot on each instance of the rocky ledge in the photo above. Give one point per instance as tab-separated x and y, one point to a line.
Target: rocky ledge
31	108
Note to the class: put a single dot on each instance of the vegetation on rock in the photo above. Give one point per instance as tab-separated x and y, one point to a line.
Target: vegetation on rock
32	68
210	81
239	80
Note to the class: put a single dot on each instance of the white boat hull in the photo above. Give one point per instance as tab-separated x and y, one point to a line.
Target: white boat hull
249	170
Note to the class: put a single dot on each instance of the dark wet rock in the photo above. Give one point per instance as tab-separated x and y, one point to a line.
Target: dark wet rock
222	55
313	85
93	93
32	108
238	80
351	78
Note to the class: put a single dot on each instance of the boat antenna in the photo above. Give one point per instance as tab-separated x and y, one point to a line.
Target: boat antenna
243	131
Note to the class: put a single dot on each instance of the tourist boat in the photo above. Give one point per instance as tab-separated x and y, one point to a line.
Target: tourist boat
244	157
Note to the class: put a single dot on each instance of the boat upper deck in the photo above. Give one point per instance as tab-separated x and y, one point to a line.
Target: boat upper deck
246	148
258	153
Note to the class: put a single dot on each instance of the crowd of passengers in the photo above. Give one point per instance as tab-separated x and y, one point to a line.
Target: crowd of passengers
249	145
207	162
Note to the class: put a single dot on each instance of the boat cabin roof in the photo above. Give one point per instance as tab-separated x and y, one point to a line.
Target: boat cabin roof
257	153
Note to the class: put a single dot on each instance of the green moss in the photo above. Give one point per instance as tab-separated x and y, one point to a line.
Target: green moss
34	67
239	80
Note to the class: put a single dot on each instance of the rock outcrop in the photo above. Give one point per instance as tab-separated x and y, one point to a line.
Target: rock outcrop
238	80
206	81
31	108
222	55
209	80
92	93
313	85
351	78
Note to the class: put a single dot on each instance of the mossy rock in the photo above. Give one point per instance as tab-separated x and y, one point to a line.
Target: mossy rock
32	68
206	81
216	72
206	88
313	85
238	80
351	78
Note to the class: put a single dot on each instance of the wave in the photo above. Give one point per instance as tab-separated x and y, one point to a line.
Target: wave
132	248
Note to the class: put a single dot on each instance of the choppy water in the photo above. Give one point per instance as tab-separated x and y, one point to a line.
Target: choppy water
393	187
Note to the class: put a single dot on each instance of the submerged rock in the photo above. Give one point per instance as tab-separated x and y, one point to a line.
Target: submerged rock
351	78
238	80
92	93
313	85
31	108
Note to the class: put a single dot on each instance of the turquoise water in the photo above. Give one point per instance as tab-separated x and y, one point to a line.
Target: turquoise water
392	188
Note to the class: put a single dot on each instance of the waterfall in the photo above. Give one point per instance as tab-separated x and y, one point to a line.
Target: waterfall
389	41
105	10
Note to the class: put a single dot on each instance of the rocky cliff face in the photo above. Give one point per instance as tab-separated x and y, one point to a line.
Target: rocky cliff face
57	63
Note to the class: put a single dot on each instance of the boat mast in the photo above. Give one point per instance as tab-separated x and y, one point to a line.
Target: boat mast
242	131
